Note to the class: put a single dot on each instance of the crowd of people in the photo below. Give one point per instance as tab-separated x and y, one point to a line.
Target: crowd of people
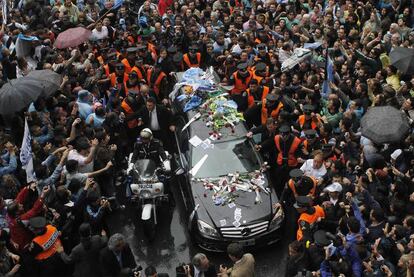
348	199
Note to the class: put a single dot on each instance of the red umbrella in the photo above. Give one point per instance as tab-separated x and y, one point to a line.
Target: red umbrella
72	37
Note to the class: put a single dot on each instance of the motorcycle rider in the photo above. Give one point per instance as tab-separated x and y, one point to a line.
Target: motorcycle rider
147	147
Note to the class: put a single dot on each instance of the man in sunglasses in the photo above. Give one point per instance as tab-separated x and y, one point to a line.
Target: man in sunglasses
129	61
111	61
308	120
311	143
118	79
192	58
262	55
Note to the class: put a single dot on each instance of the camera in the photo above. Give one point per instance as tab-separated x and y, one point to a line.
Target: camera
111	200
358	170
304	273
137	269
180	270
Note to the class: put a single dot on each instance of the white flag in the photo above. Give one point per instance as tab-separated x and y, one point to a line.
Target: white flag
26	155
4	11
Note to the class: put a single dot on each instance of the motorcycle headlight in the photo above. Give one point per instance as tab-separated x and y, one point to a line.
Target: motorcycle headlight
278	217
206	229
144	194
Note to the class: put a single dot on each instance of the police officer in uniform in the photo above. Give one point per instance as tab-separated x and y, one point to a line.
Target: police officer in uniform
311	143
145	54
309	216
44	247
131	106
241	81
308	120
148	147
288	148
298	185
129	61
255	95
260	73
192	58
271	106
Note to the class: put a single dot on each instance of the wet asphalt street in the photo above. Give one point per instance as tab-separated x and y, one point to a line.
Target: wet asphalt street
172	245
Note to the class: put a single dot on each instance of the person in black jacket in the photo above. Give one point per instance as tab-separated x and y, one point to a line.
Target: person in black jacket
117	259
297	259
159	120
85	255
148	148
200	266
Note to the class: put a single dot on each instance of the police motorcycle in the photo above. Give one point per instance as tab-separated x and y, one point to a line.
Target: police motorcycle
146	186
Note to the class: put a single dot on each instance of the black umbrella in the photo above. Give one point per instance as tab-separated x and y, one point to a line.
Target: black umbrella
403	59
49	79
384	124
18	94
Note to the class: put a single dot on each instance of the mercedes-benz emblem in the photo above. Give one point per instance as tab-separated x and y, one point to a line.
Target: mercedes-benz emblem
246	231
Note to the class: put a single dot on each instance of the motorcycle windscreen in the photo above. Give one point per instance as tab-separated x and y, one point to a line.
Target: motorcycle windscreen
145	167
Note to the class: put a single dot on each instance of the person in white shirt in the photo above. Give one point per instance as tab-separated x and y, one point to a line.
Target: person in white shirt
100	31
314	167
84	154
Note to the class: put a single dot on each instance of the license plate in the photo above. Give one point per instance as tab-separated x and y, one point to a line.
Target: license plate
145	186
249	242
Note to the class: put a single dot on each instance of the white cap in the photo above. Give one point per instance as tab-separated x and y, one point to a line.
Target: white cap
396	154
334	187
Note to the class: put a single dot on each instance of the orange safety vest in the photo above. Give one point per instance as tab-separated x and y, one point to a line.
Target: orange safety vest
139	72
156	85
241	85
153	50
48	242
128	67
305	144
274	114
314	122
309	218
133	123
107	70
258	78
292	187
114	82
186	60
250	98
292	160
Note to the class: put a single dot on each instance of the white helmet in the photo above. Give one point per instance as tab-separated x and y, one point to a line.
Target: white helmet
146	133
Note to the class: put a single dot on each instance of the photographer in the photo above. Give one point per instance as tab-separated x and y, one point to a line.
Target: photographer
96	210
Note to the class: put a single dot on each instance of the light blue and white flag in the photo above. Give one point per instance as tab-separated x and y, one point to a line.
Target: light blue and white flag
117	4
26	154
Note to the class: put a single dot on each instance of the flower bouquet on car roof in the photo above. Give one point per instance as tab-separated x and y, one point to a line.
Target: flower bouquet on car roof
225	189
220	112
